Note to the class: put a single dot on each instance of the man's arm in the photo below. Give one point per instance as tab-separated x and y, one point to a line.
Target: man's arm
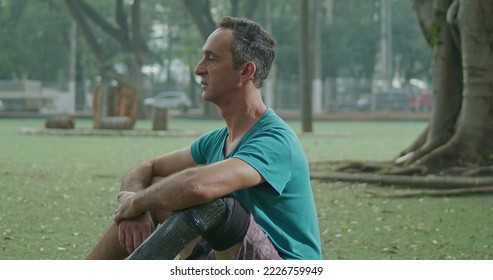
190	187
133	231
147	172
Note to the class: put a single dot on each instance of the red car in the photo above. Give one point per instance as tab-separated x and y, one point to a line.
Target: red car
421	102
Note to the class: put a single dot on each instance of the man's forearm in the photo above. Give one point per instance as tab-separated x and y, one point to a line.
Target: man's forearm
177	191
138	178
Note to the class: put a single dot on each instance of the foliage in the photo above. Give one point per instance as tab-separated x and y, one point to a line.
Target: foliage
34	40
350	39
285	25
409	46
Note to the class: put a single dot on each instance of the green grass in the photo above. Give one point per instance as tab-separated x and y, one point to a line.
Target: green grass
58	193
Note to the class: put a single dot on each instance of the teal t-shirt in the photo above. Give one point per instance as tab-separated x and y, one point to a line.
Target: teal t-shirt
283	206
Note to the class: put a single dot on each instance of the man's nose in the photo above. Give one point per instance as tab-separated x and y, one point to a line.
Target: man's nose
200	69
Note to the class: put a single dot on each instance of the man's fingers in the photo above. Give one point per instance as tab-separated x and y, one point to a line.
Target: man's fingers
132	233
121	237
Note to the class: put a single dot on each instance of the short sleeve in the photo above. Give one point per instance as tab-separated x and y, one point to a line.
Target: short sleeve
207	148
270	154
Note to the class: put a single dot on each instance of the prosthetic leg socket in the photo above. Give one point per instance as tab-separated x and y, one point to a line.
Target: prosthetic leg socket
183	226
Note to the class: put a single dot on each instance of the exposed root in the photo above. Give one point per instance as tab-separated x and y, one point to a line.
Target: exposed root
419	142
428	192
356	167
410	170
424	182
439	180
479	171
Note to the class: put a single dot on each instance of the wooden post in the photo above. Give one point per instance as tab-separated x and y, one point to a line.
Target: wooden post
159	118
111	104
60	122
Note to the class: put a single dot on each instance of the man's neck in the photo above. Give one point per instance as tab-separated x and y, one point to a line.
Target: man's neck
239	119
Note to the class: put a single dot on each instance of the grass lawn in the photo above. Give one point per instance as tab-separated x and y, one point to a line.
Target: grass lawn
58	193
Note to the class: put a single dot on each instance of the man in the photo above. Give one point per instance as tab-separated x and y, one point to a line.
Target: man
245	189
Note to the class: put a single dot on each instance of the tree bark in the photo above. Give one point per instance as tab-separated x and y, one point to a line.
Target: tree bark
462	86
457	143
447	80
469	144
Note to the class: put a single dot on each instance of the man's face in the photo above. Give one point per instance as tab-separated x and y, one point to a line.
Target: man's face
219	79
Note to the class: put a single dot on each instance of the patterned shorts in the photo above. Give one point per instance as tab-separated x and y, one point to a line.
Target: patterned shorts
255	246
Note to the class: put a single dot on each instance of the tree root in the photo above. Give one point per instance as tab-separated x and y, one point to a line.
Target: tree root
423	182
418	179
484	170
428	192
417	185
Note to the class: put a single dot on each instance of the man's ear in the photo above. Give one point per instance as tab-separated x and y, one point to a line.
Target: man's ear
248	71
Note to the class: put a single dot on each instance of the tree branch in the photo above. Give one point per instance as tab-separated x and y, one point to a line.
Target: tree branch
96	18
424	13
139	44
201	15
74	10
121	18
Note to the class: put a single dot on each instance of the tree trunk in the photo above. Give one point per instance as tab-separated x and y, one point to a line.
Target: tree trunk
456	147
305	63
475	20
458	139
159	118
446	72
462	41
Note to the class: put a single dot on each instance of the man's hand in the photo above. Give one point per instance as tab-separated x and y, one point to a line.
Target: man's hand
132	232
125	208
133	225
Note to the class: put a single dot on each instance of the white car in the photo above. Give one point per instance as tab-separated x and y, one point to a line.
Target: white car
171	100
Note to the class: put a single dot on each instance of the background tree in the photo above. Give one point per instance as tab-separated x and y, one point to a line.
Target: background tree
460	33
33	45
351	39
412	56
202	12
173	32
305	71
128	45
458	139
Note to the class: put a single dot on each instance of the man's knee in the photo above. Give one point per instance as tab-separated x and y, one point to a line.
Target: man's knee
232	228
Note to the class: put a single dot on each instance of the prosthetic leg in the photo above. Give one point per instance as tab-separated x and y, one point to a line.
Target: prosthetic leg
222	222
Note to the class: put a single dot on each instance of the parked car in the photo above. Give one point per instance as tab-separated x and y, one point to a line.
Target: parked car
397	99
393	99
2	107
422	102
171	100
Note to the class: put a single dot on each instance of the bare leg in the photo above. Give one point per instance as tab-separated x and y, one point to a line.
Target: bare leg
108	247
181	229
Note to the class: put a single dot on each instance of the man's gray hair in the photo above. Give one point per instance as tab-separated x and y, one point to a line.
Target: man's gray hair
251	43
